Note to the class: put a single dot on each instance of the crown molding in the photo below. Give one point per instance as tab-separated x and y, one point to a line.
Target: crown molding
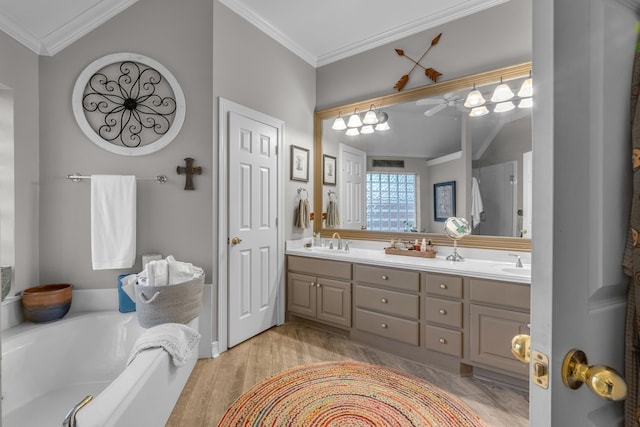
258	22
443	16
65	33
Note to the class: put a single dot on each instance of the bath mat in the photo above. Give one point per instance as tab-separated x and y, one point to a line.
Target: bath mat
341	394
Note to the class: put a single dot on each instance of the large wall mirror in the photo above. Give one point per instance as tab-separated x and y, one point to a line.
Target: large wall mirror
438	158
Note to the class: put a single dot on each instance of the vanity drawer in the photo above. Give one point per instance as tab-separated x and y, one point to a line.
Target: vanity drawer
398	279
444	340
320	267
445	312
500	293
390	302
403	330
447	286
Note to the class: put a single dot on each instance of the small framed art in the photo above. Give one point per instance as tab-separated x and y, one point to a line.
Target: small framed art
444	200
328	170
299	164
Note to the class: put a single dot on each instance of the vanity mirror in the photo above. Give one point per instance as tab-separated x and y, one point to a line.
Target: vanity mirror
385	179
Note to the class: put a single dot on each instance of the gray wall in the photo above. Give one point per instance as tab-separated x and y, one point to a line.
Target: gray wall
170	220
213	53
497	37
19	73
255	71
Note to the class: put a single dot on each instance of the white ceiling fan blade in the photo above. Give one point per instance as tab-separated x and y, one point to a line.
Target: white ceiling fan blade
435	110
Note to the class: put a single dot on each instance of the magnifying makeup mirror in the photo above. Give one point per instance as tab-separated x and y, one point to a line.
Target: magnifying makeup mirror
456	228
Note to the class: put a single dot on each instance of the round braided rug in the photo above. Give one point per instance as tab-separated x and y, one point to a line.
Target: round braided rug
341	394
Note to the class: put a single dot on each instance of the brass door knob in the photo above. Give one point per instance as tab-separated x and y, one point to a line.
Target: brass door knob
601	379
521	347
236	241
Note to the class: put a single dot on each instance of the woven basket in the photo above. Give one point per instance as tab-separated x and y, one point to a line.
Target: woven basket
169	304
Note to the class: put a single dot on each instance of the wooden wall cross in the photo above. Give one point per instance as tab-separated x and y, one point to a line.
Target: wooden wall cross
189	170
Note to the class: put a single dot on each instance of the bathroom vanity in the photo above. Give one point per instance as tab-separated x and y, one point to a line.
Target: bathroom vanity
459	316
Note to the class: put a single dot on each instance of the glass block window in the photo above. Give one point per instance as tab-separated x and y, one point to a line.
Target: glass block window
391	202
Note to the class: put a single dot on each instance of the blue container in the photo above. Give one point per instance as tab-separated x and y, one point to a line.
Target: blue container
125	303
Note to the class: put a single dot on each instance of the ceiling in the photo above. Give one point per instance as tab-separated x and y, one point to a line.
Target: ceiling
320	32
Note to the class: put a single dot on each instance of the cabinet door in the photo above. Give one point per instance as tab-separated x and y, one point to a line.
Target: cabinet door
334	302
491	334
301	295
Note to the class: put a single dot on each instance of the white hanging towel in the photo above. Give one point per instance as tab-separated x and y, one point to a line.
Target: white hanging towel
476	203
113	221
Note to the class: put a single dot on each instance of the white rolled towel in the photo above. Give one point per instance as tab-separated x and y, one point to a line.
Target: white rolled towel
179	340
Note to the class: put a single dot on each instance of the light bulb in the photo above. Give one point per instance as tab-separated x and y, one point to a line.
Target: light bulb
366	129
502	93
371	118
354	121
526	90
339	124
383	126
479	111
504	106
525	103
474	99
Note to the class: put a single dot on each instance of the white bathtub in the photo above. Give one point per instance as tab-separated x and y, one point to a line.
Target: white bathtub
48	368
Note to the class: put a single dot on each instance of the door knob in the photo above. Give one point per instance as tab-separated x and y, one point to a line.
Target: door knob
236	241
521	347
601	379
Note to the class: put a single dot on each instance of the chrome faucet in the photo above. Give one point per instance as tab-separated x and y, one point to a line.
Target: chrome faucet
339	240
518	262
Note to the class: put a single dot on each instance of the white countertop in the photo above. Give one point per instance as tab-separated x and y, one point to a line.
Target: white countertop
480	263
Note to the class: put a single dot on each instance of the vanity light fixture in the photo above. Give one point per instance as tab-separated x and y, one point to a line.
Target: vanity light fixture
367	129
526	90
502	93
525	103
383	122
479	111
373	120
370	118
504	107
474	99
503	99
354	120
339	124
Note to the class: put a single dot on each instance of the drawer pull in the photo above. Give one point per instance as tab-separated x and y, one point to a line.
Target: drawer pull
442	341
317	285
384	326
385	277
443	286
442	311
313	284
384	300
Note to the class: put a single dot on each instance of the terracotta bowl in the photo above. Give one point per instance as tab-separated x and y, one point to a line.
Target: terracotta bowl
46	303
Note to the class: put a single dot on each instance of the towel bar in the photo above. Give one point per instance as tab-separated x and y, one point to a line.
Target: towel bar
76	177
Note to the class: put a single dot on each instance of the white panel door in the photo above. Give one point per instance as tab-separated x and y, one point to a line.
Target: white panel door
352	182
582	61
253	233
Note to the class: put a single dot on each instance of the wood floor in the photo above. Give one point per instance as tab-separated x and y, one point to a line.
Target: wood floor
216	383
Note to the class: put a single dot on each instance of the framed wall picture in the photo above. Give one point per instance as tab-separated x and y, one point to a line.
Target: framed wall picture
328	170
444	200
299	164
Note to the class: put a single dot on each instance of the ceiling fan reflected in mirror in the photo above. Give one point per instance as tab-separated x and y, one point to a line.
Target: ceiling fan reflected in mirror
439	104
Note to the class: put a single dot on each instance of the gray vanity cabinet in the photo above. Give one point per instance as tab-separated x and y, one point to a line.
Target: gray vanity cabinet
498	311
319	290
387	303
444	331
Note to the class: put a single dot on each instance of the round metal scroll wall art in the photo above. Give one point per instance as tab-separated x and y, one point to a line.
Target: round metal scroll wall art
128	104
